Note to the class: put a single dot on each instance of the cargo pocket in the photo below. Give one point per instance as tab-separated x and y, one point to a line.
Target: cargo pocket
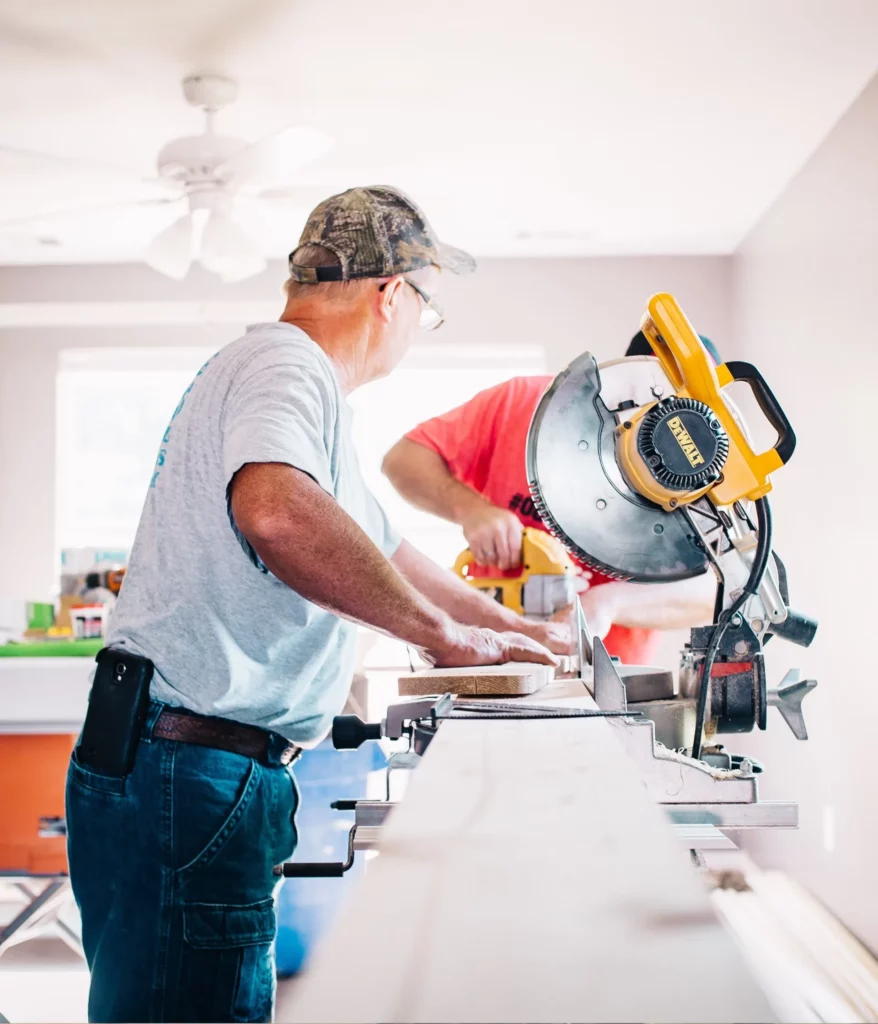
228	963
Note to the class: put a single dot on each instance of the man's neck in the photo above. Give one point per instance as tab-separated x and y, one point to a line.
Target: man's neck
345	342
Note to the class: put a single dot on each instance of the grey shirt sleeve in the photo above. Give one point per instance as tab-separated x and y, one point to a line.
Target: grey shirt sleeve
287	410
281	412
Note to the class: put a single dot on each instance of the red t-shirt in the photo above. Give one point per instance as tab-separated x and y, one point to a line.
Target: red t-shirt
483	443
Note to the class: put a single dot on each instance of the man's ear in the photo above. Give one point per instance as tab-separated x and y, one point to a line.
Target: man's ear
390	295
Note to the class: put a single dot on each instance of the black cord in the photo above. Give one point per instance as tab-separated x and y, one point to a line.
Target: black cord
757	571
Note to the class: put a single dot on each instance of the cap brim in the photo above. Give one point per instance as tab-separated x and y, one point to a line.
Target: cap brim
455	260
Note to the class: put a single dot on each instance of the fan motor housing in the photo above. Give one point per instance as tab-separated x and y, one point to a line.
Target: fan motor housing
195	158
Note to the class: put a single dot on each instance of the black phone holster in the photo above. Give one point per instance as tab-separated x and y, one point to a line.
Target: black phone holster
117	707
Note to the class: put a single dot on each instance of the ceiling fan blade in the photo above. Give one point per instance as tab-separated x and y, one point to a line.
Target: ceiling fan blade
51	217
33	161
227	250
275	159
170	252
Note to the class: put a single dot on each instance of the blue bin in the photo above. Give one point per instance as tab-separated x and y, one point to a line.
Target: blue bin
306	906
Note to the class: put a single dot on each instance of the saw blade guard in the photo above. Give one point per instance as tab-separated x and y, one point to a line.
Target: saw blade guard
580	491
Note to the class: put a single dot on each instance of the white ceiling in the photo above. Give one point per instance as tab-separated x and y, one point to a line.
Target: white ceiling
622	126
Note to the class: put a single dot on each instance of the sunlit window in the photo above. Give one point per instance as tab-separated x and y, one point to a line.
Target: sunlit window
114	404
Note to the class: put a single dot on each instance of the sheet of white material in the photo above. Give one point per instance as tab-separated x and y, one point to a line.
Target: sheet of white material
45	695
527	876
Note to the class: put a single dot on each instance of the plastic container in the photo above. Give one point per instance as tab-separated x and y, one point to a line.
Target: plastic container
307	906
88	621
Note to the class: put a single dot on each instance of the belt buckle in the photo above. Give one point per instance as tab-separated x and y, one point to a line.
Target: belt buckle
290	754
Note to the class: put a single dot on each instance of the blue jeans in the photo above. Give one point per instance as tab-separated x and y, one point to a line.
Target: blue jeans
172	870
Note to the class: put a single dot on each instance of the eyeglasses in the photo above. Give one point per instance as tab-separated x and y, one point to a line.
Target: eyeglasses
431	314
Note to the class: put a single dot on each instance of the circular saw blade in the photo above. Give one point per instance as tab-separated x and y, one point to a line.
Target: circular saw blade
579	490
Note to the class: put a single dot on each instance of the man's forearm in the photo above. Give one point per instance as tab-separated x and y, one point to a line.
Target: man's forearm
423	478
467	605
322	554
462	601
661	605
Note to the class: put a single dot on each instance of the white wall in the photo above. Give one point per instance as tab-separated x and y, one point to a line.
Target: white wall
805	294
565	305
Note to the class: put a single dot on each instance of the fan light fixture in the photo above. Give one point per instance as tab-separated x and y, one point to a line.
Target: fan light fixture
211	178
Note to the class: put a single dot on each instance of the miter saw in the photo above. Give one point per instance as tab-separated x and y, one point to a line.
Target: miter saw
643	469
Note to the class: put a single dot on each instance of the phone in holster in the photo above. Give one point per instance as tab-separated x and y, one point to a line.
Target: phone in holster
117	707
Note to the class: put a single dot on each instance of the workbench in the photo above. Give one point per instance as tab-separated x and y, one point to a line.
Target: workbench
526	876
44	695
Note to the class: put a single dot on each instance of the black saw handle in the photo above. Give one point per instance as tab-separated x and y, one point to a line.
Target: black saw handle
330	869
771	408
319	869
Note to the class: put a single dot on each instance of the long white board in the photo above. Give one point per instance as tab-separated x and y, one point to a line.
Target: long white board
526	876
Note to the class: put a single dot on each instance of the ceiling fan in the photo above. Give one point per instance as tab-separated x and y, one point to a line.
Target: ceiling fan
208	176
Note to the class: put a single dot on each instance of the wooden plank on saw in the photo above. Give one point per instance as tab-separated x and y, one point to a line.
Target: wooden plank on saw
510	680
527	876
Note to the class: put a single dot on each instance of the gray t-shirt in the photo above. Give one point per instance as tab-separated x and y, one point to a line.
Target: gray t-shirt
227	637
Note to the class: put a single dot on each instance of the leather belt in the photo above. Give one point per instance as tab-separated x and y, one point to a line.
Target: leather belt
221	733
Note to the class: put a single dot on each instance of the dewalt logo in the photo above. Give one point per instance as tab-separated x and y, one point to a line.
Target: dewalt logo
684	440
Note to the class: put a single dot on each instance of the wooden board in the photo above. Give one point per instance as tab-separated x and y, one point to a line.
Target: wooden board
527	876
509	680
811	966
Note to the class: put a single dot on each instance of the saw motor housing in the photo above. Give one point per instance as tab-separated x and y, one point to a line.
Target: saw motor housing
691	443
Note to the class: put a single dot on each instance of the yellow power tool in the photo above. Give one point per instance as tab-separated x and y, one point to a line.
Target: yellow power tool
643	469
541	586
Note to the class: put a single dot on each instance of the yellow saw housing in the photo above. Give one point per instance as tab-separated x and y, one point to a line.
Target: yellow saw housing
699	431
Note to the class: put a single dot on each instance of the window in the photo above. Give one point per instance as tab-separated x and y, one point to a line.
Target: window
114	405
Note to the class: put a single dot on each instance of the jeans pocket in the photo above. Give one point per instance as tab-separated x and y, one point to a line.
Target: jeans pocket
210	803
228	966
85	778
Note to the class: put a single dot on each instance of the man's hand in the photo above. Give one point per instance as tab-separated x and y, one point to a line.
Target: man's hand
422	477
469	645
493	535
558	635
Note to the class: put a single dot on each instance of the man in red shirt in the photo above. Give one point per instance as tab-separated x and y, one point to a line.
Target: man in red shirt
468	466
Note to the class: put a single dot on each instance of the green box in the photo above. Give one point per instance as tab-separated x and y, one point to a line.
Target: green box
40	615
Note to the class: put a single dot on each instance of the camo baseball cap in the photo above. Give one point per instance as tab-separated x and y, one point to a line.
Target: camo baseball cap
376	231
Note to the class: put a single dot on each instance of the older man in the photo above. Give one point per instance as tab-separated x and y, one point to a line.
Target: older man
468	466
258	551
